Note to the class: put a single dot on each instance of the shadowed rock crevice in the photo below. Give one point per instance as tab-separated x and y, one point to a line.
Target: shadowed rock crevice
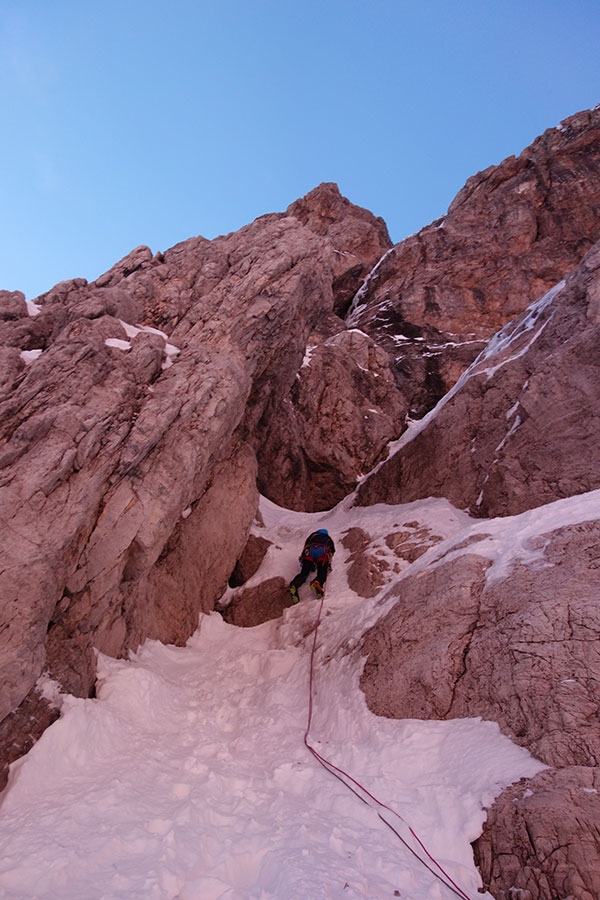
249	562
342	410
20	730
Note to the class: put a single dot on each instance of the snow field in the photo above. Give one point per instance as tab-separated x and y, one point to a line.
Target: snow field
187	776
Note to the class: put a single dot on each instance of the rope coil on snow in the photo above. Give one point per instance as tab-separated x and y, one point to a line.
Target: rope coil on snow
369	799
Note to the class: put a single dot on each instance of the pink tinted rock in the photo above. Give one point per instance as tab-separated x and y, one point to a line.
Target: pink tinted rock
521	428
510	234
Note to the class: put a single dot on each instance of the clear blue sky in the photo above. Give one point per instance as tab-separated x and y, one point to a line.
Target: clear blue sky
128	122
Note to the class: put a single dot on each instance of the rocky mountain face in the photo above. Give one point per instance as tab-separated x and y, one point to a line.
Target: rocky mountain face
138	414
141	414
510	234
521	650
521	427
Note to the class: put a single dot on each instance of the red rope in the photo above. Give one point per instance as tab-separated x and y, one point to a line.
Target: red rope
342	775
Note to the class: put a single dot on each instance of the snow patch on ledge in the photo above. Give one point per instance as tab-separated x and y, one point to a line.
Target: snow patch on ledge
171	351
507	540
308	354
50	689
117	344
32	308
29	356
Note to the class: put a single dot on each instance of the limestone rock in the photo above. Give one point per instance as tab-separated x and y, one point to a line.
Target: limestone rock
104	447
415	654
369	568
541	838
250	560
522	427
12	305
358	238
520	650
255	605
366	572
342	410
129	462
130	436
511	233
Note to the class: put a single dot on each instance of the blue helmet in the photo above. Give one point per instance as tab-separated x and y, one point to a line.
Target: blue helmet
322	531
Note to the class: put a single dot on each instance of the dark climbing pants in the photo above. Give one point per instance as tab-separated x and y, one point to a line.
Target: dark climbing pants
307	567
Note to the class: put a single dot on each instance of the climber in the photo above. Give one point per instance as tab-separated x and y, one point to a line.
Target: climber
317	554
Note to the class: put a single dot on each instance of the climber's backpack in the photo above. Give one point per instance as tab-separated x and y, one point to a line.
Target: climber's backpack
316	552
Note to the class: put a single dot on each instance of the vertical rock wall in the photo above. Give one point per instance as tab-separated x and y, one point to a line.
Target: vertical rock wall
522	427
132	411
510	234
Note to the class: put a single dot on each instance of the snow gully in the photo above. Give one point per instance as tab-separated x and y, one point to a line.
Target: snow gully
360	791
